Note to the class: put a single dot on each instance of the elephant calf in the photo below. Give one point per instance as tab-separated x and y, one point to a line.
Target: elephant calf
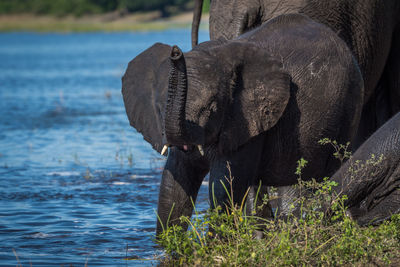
260	102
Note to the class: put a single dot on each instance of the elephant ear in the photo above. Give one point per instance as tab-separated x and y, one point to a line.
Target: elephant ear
260	91
144	90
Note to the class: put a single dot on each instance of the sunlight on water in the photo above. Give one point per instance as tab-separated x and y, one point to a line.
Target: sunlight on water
78	184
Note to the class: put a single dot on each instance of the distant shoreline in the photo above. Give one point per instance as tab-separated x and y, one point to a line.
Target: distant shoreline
106	23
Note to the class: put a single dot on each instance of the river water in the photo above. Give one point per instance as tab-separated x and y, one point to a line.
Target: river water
77	183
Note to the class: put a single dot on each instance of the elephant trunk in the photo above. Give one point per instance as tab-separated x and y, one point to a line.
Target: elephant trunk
176	128
198	5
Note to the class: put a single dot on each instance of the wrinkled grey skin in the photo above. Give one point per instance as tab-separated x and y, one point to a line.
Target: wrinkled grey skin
260	102
370	28
373	190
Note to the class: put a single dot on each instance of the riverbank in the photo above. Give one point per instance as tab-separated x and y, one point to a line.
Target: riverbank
111	22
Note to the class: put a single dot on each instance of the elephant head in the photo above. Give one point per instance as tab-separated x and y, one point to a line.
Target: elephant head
211	96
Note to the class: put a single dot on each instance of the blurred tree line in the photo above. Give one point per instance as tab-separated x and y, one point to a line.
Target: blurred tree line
83	7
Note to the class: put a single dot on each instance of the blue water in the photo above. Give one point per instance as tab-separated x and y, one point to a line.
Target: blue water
77	184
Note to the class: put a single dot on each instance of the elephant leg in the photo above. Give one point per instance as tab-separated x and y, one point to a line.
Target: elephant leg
242	171
181	181
387	96
367	124
286	197
255	200
256	207
392	74
385	102
376	112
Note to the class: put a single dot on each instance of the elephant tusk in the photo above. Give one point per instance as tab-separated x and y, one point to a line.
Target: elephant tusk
200	149
164	150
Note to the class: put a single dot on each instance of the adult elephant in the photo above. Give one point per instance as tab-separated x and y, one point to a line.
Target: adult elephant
370	179
260	102
370	28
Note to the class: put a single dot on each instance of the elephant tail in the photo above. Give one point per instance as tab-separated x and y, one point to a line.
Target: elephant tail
198	6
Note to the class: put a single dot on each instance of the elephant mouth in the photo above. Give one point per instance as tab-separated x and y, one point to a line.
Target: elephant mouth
184	148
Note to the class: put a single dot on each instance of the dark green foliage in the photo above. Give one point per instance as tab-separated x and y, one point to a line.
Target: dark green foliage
206	6
81	7
54	7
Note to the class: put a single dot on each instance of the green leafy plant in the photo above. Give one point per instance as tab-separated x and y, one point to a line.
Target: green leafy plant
315	231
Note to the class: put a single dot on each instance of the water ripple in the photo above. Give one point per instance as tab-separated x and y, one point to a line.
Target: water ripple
78	184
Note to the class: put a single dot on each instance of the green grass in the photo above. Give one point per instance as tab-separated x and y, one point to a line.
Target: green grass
323	236
227	239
